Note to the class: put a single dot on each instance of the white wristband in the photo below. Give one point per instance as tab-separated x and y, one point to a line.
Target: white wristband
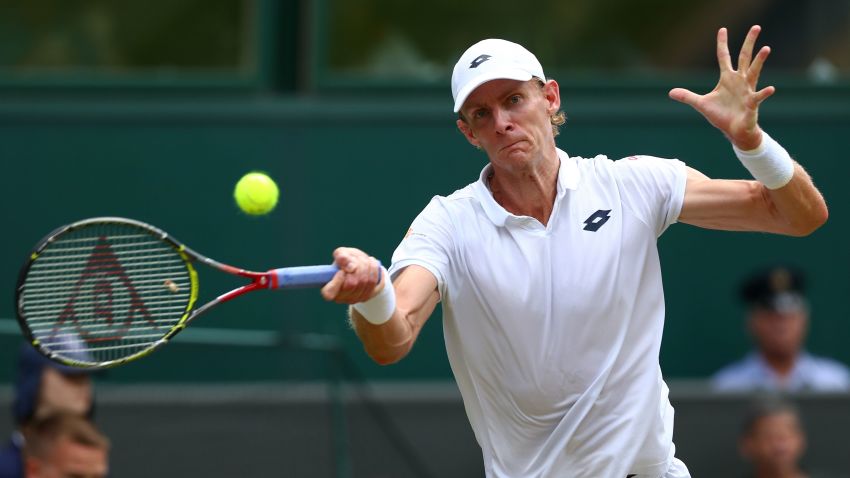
769	164
379	309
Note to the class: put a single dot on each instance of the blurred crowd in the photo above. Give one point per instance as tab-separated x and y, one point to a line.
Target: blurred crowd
53	410
778	321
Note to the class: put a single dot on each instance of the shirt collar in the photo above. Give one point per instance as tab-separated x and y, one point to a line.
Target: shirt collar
568	173
568	178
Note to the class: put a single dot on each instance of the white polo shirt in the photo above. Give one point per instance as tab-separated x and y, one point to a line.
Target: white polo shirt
553	333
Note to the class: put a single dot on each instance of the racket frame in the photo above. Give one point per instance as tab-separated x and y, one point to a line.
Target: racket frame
271	279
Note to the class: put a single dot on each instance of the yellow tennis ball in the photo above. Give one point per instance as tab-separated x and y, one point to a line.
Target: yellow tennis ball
256	193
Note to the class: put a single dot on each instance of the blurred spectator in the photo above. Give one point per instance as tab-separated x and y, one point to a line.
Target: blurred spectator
43	388
773	441
778	317
65	445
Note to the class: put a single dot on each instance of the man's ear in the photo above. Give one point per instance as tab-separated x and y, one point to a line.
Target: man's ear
467	132
552	93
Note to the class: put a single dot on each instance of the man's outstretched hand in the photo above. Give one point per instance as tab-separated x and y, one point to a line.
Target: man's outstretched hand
732	106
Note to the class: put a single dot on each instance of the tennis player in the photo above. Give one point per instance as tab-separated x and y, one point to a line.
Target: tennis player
548	271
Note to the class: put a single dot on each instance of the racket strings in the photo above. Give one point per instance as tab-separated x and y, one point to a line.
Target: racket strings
105	292
64	293
108	261
63	284
85	252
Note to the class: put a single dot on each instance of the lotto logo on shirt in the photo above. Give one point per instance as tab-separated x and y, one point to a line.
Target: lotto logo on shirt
597	220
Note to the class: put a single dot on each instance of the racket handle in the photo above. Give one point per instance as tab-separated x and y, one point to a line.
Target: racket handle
302	277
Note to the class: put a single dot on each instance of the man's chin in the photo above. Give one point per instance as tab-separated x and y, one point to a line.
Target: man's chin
517	153
518	145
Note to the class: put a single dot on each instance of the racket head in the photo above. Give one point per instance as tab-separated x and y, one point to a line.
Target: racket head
103	291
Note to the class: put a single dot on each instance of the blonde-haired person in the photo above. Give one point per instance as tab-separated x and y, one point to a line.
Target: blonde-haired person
548	273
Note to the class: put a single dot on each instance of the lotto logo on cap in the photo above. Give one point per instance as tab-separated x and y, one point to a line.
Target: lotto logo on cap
492	59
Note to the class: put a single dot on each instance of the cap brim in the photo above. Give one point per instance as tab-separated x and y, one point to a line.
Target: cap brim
500	74
36	359
784	303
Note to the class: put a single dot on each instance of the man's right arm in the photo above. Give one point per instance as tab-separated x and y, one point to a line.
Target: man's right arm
416	296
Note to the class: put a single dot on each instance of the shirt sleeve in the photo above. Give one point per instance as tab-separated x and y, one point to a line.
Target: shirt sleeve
428	243
653	189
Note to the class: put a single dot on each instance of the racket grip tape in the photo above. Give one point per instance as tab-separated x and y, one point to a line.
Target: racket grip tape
302	277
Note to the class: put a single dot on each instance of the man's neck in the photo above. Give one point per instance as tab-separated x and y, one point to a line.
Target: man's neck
528	192
782	364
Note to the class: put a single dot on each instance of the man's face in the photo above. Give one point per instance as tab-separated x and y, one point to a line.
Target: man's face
63	393
68	459
775	443
510	120
778	333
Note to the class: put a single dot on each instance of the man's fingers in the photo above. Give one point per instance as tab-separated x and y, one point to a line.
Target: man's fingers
764	94
723	58
356	279
331	289
687	97
344	259
364	285
357	287
755	69
349	259
746	54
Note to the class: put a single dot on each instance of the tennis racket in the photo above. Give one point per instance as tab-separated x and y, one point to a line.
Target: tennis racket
104	291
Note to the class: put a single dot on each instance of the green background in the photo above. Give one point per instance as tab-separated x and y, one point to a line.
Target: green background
154	113
355	173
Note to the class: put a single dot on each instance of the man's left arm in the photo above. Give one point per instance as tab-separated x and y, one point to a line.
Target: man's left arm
783	198
796	209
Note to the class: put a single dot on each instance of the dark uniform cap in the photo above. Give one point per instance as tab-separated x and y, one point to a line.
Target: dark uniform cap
780	288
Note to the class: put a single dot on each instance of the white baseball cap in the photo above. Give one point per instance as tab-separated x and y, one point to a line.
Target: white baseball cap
492	59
